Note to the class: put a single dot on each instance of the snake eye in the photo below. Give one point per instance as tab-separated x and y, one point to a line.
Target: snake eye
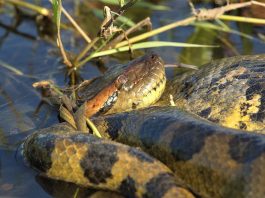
122	79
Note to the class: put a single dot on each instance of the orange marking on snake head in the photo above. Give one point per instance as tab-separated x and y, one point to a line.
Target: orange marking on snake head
97	102
94	105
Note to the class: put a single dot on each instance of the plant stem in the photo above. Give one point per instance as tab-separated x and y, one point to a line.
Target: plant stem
41	10
77	27
146	35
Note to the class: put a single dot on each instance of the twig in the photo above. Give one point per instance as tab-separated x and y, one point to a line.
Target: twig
146	35
84	51
61	47
108	23
258	3
77	27
171	100
182	65
11	68
41	10
81	63
200	15
209	14
59	40
145	22
46	12
193	10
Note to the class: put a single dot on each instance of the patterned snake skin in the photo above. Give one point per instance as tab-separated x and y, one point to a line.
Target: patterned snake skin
206	158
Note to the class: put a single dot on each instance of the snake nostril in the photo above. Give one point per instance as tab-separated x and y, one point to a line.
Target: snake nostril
153	56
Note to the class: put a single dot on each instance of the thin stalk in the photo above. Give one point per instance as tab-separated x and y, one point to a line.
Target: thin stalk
83	62
77	27
242	19
93	128
146	35
38	9
11	68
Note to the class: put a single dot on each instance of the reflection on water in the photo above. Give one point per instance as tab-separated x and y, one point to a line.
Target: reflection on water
16	180
37	59
61	189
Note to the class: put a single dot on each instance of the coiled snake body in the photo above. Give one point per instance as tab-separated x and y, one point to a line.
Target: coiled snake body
209	159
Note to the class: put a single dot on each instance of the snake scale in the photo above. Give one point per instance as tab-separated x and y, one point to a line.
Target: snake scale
199	157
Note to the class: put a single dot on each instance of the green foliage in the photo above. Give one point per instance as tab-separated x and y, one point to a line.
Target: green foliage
56	6
150	44
121	2
140	3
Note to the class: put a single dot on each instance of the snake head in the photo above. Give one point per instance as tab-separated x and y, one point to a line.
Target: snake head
137	85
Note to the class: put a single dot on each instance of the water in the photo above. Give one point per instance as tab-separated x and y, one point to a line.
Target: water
22	47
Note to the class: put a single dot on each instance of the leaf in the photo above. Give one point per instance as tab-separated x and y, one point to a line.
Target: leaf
93	128
56	6
67	116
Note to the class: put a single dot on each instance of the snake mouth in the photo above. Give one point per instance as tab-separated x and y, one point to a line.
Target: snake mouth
138	85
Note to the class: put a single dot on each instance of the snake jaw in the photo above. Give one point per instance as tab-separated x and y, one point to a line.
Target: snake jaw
109	103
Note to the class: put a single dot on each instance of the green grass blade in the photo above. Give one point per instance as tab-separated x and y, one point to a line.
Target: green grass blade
144	45
56	6
36	8
208	25
93	128
242	19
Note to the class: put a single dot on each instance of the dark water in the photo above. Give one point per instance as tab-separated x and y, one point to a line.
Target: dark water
24	48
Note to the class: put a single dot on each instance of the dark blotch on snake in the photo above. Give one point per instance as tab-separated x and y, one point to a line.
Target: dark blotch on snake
128	187
159	185
98	162
245	149
189	139
39	152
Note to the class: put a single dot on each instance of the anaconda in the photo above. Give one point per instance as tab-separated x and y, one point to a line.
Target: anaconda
211	160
